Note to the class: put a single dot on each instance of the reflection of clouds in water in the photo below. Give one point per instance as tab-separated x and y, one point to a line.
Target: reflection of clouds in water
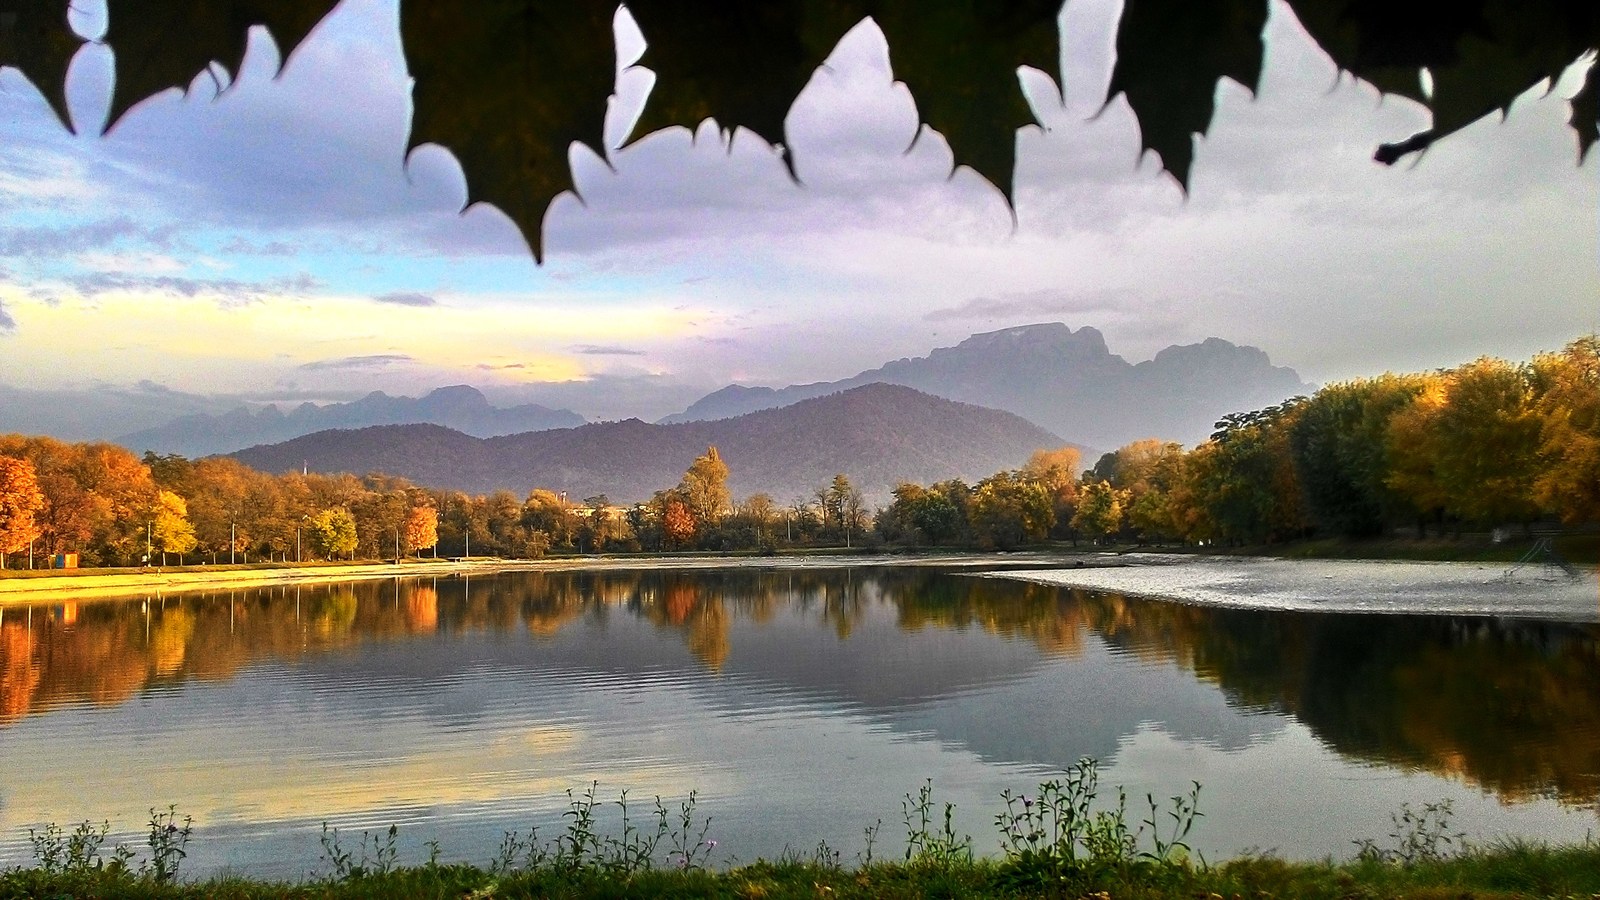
435	705
1088	707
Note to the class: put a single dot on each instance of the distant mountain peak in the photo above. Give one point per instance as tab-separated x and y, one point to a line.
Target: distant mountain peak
1066	380
877	434
458	393
459	407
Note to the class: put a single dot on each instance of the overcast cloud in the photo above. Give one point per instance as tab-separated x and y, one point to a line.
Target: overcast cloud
288	205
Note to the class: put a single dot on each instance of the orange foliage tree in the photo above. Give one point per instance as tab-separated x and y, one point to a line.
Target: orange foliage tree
20	499
422	528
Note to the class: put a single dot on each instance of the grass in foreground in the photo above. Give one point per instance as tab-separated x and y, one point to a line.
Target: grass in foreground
1055	843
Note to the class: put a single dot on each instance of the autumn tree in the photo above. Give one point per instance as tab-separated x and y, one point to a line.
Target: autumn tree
421	528
170	531
704	488
753	520
380	518
331	533
677	522
1057	471
95	495
1568	404
1470	444
547	511
601	527
20	500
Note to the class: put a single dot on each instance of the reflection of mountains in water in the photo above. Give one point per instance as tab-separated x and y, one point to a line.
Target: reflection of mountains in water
1045	675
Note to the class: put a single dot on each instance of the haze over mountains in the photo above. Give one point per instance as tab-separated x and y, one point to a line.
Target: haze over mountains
458	407
878	434
1066	381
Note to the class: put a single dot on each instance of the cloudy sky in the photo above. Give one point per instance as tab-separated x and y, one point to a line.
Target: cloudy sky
271	241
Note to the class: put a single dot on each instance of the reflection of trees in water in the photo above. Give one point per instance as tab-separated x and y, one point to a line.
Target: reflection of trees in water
1512	706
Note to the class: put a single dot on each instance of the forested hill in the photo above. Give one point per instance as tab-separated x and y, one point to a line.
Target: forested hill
877	434
460	407
1064	380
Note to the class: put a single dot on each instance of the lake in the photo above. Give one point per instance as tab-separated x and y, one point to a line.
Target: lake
801	705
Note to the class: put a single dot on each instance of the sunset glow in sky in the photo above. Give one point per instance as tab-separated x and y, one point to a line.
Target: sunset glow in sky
272	242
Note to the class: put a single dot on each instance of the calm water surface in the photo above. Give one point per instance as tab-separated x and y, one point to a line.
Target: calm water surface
801	705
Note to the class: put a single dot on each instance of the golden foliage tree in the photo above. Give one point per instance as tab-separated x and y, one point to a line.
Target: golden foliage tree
170	530
705	488
20	500
332	532
1568	478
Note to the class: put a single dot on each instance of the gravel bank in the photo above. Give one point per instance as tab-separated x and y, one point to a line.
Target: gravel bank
1372	586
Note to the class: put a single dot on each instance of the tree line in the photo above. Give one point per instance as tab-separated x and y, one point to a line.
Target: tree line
1488	443
114	508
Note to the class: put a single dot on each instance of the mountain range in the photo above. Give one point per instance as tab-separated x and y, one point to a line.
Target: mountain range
458	407
878	434
1064	380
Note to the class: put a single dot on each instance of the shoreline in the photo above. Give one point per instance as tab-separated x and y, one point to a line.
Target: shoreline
119	584
1265	583
1358	586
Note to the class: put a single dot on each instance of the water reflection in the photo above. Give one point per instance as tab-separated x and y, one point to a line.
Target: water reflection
1512	706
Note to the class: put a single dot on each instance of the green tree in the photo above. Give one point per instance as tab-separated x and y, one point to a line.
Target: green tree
1340	446
1247	484
1008	509
920	512
840	508
1100	509
332	533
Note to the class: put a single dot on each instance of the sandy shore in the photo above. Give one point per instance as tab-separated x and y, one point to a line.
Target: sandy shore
138	583
1368	586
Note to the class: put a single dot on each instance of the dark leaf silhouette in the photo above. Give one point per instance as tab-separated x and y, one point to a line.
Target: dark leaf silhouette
35	38
508	88
1170	56
960	61
742	67
165	45
509	85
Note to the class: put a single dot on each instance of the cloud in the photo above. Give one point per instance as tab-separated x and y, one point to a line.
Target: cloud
8	325
233	291
50	242
1047	303
605	350
238	246
347	363
406	298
